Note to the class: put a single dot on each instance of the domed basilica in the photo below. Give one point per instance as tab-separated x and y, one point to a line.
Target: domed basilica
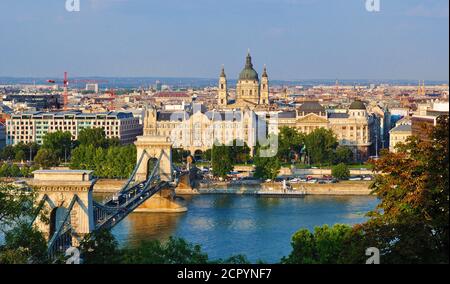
250	91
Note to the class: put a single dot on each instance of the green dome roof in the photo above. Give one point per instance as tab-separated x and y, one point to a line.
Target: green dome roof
249	73
358	105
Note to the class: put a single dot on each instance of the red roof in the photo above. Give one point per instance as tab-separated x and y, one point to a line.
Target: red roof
171	95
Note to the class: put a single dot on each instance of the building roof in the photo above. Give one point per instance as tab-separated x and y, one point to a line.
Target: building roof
311	107
358	105
171	95
75	114
337	115
402	128
172	116
248	73
287	114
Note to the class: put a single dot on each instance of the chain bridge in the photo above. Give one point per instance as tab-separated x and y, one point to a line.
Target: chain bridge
65	196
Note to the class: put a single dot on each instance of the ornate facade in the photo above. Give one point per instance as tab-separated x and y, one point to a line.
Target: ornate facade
353	127
197	129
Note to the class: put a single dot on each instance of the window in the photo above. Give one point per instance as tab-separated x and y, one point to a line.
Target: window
221	86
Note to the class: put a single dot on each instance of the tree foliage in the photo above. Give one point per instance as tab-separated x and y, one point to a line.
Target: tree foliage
267	164
341	171
112	162
24	244
222	162
97	138
19	152
290	143
320	145
59	143
46	158
411	222
324	246
343	154
15	205
240	152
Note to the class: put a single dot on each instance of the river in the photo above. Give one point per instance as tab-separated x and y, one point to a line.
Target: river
258	227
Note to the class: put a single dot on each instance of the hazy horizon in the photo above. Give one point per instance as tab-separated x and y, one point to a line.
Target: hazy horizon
298	40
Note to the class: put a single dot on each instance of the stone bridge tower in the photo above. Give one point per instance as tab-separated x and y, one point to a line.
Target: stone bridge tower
60	187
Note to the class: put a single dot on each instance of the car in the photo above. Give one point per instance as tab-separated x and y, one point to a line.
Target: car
312	181
355	179
368	178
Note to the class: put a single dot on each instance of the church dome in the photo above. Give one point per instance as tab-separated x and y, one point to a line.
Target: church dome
248	74
358	105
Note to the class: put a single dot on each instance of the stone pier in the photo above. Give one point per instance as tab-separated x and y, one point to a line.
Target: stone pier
61	186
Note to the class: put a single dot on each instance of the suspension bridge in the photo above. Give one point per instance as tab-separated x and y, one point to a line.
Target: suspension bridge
66	196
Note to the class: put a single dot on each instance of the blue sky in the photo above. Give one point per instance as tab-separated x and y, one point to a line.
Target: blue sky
297	39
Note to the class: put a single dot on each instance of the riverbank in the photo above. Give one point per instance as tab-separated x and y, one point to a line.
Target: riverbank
341	188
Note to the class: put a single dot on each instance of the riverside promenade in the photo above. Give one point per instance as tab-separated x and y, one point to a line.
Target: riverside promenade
274	189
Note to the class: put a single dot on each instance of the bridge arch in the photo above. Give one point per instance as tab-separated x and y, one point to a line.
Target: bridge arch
152	147
56	219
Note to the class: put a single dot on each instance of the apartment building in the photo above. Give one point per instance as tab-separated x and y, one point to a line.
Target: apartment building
33	126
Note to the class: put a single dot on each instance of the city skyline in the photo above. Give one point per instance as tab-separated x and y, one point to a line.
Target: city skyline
297	40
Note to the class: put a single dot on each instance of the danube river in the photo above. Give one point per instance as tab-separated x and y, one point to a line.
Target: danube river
258	227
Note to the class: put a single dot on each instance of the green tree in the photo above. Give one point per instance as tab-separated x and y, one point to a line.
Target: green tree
7	153
174	251
324	246
240	152
25	171
24	245
222	162
5	170
16	204
93	136
113	162
20	156
266	167
15	171
100	247
290	143
46	158
207	155
59	143
343	154
341	171
320	145
411	223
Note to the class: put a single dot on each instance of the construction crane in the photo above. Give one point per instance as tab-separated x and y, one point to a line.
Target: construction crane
66	85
